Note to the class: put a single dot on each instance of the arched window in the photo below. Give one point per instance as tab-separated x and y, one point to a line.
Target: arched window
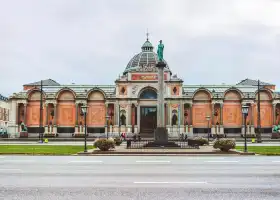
148	94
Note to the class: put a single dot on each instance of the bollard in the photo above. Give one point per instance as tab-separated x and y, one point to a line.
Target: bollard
128	144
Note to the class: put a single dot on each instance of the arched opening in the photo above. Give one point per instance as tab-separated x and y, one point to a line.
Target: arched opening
266	111
66	112
232	115
148	94
32	111
201	108
96	118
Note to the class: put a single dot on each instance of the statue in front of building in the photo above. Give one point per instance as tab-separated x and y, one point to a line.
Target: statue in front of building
23	127
160	51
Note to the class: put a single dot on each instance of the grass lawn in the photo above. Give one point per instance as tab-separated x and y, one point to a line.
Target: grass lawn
41	149
263	150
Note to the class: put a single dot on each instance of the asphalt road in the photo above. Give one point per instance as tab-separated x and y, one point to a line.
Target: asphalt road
81	143
139	177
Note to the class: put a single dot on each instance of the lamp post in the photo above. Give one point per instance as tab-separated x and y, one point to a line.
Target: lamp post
84	111
245	110
208	126
107	124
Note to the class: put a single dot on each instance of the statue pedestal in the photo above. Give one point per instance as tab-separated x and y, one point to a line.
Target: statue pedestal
161	139
23	134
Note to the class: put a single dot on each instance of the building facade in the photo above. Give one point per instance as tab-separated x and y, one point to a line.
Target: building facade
4	112
130	105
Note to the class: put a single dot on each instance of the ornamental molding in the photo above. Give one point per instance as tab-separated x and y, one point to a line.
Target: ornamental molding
84	102
217	102
51	102
247	102
146	68
275	102
22	102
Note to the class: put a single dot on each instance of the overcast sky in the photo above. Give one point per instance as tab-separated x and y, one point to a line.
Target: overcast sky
91	42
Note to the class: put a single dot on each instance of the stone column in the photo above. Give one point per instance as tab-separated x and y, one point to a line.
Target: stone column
106	122
191	121
213	125
47	118
221	119
252	119
55	118
77	119
12	124
117	113
161	134
138	118
129	126
182	117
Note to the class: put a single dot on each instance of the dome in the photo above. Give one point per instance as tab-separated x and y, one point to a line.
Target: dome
145	58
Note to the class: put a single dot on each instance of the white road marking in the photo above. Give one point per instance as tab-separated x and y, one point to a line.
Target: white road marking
153	161
167	182
86	161
10	170
20	161
276	161
222	161
2	157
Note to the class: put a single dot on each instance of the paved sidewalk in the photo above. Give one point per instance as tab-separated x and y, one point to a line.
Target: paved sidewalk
80	143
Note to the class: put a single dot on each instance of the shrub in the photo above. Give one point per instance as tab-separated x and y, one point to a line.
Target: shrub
118	141
202	141
104	144
224	144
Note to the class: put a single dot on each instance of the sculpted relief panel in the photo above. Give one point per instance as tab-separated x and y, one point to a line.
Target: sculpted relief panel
35	96
266	115
202	95
33	115
232	95
96	95
96	114
66	96
66	115
200	111
232	115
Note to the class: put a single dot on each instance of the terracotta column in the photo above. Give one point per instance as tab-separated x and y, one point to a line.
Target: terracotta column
190	114
168	113
55	114
273	114
213	117
77	114
221	114
252	117
129	114
47	114
25	115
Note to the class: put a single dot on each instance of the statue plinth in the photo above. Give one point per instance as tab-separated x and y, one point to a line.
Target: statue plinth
161	133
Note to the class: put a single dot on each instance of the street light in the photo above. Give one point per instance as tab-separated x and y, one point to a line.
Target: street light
107	122
245	110
84	111
208	120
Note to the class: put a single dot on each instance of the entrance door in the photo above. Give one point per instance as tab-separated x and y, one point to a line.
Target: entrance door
148	120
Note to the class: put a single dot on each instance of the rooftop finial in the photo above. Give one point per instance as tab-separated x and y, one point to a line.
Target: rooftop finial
147	35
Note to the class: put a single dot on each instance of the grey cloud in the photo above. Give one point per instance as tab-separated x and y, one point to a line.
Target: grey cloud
91	42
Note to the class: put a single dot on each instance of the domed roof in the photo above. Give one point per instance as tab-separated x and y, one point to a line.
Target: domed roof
146	58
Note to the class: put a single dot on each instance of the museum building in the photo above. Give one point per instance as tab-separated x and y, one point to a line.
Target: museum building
130	105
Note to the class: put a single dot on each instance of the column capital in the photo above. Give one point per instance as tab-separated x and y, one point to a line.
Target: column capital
217	102
245	102
274	102
22	102
84	102
51	102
